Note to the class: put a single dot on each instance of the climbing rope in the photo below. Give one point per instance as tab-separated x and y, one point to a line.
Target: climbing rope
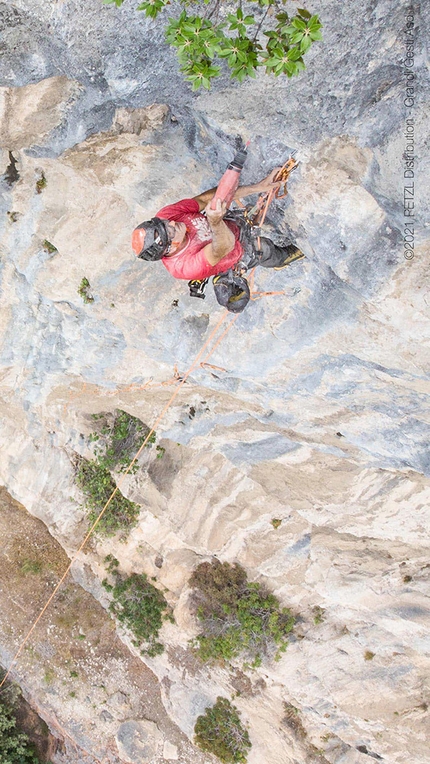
257	215
182	381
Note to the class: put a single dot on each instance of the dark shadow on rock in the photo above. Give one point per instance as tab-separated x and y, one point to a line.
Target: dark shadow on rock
11	175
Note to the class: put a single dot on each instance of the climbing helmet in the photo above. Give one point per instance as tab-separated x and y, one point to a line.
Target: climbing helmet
151	239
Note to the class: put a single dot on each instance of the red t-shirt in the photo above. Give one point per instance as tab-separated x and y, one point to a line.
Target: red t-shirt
190	262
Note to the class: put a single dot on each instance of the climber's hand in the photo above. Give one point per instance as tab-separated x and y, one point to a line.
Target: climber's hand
215	216
269	183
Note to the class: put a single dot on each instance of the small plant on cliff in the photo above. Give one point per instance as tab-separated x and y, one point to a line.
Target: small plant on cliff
318	613
98	485
292	719
118	438
41	182
220	731
247	36
15	747
237	616
48	247
139	606
84	291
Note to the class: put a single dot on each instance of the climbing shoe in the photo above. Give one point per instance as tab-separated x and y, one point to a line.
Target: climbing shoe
293	254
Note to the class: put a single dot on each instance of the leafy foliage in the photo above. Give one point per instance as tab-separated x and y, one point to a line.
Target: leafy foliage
237	37
237	616
15	747
119	436
139	606
97	484
220	731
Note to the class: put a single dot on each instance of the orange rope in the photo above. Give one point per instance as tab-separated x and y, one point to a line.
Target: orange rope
96	522
176	378
265	200
205	365
256	295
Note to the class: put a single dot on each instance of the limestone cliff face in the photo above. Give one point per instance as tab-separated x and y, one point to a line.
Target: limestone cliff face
311	410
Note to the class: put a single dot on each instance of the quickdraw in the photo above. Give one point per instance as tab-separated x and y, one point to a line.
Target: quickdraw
256	215
197	288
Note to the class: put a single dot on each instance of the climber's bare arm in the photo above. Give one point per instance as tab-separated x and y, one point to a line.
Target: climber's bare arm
223	239
266	184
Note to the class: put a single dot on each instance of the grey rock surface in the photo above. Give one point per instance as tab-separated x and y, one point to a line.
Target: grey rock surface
312	410
138	741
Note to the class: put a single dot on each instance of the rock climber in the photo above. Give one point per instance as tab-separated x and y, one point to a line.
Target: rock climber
194	241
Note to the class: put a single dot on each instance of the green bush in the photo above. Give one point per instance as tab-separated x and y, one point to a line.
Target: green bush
119	436
220	731
237	37
98	485
237	616
15	747
139	606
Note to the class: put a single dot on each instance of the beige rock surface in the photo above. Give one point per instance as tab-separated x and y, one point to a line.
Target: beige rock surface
29	113
313	412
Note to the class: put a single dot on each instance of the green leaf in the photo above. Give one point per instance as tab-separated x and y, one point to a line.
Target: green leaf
296	37
290	68
303	12
298	23
294	54
316	35
278	51
305	44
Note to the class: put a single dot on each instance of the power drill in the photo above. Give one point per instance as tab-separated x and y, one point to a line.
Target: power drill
229	182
